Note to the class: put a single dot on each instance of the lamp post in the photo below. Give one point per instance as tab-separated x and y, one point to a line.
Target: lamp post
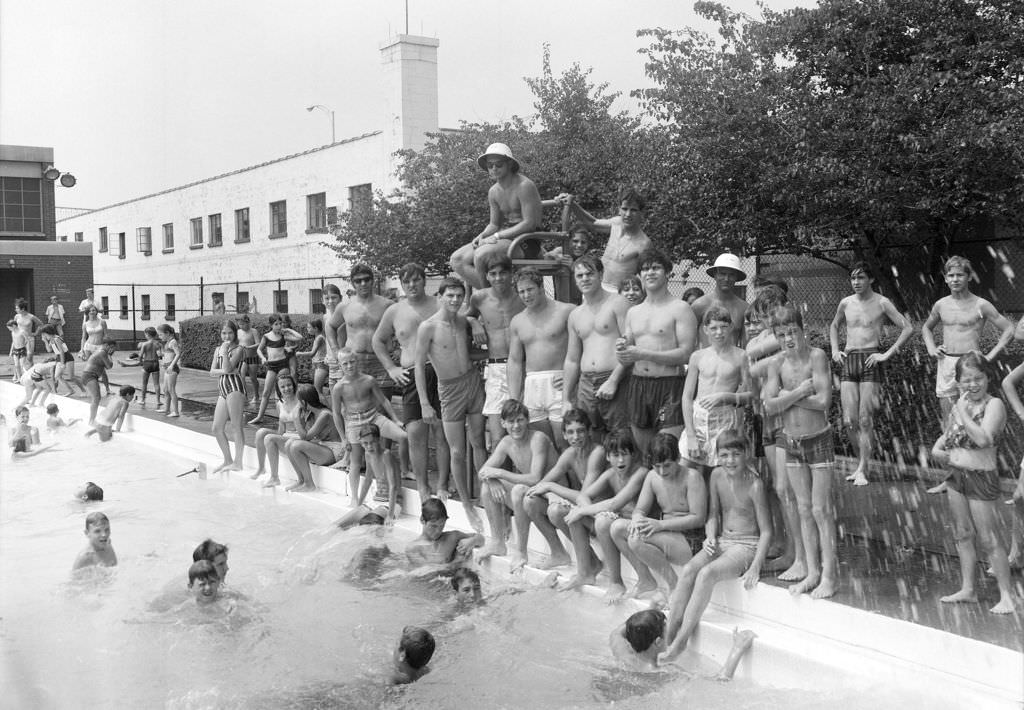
329	111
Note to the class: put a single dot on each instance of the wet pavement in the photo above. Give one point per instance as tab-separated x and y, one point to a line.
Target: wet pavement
894	569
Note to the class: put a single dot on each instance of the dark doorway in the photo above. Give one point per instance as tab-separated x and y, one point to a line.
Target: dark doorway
15	283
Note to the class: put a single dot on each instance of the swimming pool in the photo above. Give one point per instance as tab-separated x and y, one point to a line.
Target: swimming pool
304	634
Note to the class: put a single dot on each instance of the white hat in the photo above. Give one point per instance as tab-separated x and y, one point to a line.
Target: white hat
498	149
728	261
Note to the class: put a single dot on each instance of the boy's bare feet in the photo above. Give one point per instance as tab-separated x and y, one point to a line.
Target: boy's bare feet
272	482
255	420
615	593
227	465
826	589
577	582
553	561
259	472
516	562
941	488
1005	606
858	478
474	517
964	596
796	572
491	550
643	589
809	583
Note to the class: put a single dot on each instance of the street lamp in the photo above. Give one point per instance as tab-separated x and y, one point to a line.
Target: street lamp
330	111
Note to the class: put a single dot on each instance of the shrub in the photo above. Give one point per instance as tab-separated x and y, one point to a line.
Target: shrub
201	336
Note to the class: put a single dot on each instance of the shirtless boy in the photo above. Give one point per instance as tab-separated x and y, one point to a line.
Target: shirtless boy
99	551
606	506
800	388
28	324
638	642
22	436
682	497
738	533
490	313
437	546
727	273
592	372
659	336
864	314
112	416
577	467
716	391
402	321
532	455
19	350
444	339
962	316
515	208
626	237
385	497
354	323
539	337
356	401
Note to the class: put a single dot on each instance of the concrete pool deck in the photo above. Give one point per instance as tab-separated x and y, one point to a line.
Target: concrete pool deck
866	624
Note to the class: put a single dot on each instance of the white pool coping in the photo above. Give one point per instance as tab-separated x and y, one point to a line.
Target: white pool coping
801	642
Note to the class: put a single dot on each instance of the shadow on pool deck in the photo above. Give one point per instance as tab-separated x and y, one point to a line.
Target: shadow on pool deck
884	576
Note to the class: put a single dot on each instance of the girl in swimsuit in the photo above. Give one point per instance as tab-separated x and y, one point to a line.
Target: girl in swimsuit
149	360
65	360
274	356
319	441
251	361
231	401
315	328
968	449
170	368
271	441
94	332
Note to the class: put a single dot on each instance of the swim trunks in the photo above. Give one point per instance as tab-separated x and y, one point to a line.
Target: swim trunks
708	424
67	357
813	450
150	365
974	484
89	376
411	409
541	397
605	414
461	396
495	385
655	402
354	421
370	365
744	545
19	352
338	448
854	369
945	375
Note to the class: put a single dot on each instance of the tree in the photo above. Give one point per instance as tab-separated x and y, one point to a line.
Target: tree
573	143
852	124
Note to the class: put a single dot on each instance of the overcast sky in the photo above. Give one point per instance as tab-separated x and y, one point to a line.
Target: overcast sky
136	96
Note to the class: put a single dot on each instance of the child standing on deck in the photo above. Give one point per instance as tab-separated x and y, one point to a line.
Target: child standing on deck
231	400
38	380
273	353
250	367
170	368
317	352
738	533
968	448
149	360
19	350
65	360
800	388
1010	383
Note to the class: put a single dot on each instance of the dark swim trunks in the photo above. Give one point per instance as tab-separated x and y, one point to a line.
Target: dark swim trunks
974	484
411	409
605	414
854	369
812	450
655	402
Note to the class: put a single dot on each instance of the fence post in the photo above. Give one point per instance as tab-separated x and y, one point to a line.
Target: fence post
135	334
275	295
236	300
201	297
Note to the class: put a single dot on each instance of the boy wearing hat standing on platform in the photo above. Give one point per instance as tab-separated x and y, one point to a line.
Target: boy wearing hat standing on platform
515	210
727	273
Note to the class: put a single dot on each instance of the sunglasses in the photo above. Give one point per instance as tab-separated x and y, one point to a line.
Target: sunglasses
363	280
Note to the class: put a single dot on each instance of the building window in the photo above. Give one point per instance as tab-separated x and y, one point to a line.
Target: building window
114	246
169	306
196	224
124	308
62	238
281	301
241	301
21	204
122	248
145	307
316	301
103	238
216	238
168	237
144	237
79	236
360	197
316	212
278	219
105	306
242	225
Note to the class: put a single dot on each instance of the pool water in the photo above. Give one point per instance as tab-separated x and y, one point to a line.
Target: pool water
295	631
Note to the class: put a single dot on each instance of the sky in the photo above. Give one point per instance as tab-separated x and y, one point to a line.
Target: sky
137	96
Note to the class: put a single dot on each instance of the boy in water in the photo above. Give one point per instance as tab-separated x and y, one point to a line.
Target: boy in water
98	552
23	437
800	388
356	401
638	642
54	420
466	584
435	545
204	582
112	416
532	455
738	534
214	553
615	491
681	495
415	649
864	314
716	390
89	492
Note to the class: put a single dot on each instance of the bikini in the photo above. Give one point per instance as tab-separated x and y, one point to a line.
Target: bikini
278	345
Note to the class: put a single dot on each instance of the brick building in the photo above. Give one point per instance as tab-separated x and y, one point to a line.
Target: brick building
35	266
